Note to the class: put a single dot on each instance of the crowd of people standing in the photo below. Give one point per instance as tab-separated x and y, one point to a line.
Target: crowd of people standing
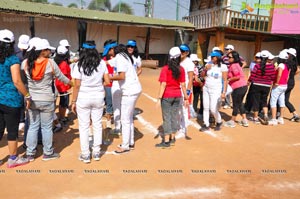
34	74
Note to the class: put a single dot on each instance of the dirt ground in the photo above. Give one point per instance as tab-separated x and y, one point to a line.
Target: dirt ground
258	162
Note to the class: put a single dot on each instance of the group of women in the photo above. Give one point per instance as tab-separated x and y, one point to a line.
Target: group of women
45	75
216	79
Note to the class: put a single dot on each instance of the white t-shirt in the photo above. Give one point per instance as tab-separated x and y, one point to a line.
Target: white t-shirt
188	66
214	76
137	62
91	86
112	62
131	85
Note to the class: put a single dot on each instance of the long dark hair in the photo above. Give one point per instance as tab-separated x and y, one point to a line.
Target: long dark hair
282	61
6	50
32	57
135	50
174	66
61	57
89	59
263	65
292	63
236	57
109	41
122	50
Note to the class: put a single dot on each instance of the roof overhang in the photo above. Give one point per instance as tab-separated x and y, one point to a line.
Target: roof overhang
60	12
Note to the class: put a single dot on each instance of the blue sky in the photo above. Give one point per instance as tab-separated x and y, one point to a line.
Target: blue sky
165	9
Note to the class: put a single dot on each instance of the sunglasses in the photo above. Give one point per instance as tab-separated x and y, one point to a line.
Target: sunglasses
130	46
229	57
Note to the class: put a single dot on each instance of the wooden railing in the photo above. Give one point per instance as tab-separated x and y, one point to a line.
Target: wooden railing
229	18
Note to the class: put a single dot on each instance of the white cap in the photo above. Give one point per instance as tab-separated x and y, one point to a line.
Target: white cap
292	51
216	48
61	50
283	55
44	44
229	46
7	36
264	53
271	56
33	42
174	52
258	54
64	43
194	57
208	59
23	42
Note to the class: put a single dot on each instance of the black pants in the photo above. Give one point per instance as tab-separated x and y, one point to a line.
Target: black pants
260	97
238	95
9	118
288	91
248	103
197	92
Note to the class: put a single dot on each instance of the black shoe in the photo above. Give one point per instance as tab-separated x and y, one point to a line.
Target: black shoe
57	129
218	126
204	128
295	118
172	142
163	145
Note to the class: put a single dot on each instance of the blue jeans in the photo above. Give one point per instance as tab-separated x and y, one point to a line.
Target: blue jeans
40	115
170	111
108	100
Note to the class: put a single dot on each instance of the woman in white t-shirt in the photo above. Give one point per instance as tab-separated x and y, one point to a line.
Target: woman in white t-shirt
213	91
134	52
88	98
131	90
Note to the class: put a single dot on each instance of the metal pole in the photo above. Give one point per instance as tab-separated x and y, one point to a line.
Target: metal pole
177	10
120	1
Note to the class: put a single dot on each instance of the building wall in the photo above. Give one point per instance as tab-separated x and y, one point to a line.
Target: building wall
54	30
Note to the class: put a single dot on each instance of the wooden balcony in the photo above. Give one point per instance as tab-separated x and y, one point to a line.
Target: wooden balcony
221	17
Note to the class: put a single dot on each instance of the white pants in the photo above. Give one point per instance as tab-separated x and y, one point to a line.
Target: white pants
183	116
87	110
116	103
211	102
127	108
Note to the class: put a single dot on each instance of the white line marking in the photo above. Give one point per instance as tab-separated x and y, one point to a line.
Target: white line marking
203	192
151	98
285	186
147	125
219	136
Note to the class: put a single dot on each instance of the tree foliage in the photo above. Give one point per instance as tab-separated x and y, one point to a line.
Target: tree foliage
72	5
37	1
105	5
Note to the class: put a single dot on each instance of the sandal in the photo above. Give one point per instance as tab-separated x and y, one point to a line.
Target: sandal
120	151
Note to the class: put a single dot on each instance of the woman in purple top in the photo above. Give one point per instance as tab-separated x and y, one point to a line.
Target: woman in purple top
236	79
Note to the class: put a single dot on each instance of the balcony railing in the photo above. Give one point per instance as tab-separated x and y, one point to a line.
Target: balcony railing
229	18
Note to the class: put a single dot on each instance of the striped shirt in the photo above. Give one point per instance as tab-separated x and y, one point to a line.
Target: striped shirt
268	78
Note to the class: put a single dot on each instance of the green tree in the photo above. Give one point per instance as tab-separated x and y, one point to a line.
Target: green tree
37	1
72	5
105	5
57	4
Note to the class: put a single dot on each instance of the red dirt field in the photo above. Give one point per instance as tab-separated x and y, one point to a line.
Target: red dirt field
258	162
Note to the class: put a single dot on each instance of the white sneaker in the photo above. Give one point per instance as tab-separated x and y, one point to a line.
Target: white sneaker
21	126
226	107
273	122
280	120
180	135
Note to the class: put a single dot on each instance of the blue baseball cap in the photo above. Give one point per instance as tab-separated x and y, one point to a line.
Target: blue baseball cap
184	47
131	43
108	47
215	54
